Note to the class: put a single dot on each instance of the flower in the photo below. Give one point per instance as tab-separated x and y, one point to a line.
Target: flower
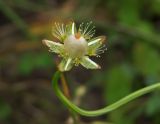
76	46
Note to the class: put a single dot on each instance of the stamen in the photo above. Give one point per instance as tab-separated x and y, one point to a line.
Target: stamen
59	30
101	50
87	30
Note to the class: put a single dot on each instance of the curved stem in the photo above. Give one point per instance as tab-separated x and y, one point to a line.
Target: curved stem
106	109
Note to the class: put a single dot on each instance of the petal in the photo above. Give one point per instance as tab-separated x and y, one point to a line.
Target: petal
89	64
66	64
54	46
71	28
94	44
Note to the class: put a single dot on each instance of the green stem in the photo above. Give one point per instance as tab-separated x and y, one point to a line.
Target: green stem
106	109
67	94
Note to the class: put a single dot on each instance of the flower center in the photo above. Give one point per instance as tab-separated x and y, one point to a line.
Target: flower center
75	46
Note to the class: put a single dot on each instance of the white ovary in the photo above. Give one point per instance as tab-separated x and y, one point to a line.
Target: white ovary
75	47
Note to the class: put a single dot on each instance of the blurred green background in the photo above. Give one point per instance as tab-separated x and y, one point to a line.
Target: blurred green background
132	61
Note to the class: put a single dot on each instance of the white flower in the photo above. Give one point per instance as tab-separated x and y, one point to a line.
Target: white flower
76	46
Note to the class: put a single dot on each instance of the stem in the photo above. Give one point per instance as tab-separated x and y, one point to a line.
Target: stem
106	109
67	94
65	87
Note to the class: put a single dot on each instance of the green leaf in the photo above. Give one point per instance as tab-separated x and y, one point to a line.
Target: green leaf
146	59
30	61
153	104
128	12
118	85
155	6
119	81
5	110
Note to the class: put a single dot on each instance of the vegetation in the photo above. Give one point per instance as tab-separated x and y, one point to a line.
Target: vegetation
131	62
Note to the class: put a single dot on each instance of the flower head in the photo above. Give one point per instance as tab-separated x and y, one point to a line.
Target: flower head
75	46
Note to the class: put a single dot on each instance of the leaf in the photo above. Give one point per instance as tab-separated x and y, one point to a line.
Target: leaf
30	61
146	59
131	16
153	104
5	110
118	84
155	6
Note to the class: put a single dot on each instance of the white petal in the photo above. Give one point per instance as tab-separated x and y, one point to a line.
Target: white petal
89	64
54	46
94	41
94	44
66	65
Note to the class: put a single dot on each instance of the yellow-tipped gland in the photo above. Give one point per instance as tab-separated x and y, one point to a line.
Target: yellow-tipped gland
78	35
